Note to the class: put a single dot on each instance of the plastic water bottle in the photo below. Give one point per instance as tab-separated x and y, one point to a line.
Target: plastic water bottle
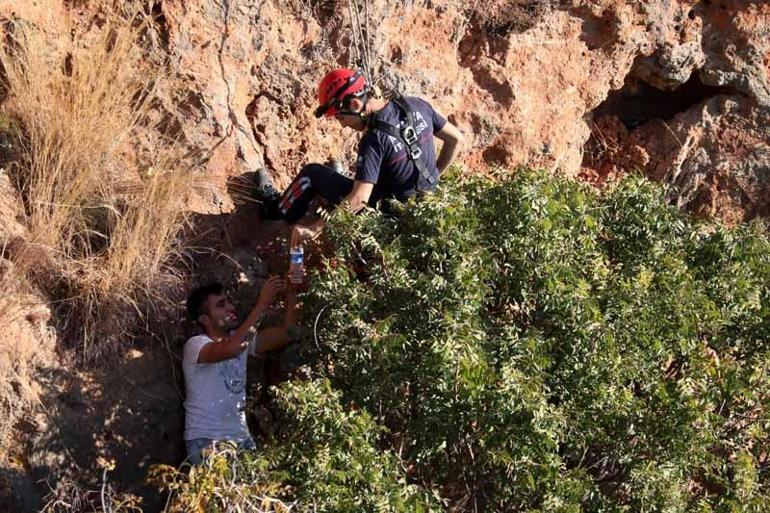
297	265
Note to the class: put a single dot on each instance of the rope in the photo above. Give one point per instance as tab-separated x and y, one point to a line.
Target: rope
315	327
361	37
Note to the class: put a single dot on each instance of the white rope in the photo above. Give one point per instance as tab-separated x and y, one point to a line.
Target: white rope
315	327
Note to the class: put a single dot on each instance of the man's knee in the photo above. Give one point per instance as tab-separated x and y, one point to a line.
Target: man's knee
296	198
195	449
313	179
316	172
328	183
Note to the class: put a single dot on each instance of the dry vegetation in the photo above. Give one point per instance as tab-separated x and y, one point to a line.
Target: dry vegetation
91	199
101	210
500	17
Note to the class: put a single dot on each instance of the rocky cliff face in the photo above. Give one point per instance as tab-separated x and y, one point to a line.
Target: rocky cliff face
530	82
524	80
692	113
677	89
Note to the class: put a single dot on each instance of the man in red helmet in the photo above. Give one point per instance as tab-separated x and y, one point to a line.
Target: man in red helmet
396	155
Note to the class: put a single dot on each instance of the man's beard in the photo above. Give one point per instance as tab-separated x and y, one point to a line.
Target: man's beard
227	325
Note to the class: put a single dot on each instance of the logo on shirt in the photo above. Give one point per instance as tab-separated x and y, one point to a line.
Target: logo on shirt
232	374
419	128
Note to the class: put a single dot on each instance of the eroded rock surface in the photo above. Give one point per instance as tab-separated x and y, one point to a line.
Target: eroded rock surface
679	89
522	78
715	156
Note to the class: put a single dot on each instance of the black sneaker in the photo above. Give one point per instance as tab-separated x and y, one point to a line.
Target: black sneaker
267	195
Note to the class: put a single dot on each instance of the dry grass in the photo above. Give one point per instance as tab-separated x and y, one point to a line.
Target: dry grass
102	211
501	17
69	496
76	107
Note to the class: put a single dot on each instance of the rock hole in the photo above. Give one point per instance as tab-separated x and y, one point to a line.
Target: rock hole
397	55
615	121
637	102
597	32
68	64
499	18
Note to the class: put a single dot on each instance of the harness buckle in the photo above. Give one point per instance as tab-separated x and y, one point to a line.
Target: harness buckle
410	135
415	152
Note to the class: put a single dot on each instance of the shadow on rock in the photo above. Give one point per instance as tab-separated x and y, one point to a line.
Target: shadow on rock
128	412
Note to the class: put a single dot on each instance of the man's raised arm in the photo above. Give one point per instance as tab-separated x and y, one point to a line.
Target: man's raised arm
234	344
276	337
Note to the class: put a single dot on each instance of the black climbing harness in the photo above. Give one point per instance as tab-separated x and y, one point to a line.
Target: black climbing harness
407	134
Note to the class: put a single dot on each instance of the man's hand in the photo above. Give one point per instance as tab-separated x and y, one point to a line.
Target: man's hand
359	195
276	337
300	234
270	290
354	201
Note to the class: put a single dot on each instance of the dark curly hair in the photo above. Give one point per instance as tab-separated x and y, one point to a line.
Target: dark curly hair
197	298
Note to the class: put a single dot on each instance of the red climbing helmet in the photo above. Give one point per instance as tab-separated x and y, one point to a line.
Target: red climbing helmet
335	86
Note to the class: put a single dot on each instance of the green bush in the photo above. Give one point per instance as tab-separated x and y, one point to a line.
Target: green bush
325	458
534	344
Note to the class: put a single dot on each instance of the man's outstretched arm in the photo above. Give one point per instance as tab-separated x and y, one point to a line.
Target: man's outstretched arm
276	337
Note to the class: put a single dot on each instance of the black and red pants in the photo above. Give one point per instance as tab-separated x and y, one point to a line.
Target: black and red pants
312	180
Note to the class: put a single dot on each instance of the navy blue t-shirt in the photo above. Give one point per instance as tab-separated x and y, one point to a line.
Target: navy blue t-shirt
382	158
